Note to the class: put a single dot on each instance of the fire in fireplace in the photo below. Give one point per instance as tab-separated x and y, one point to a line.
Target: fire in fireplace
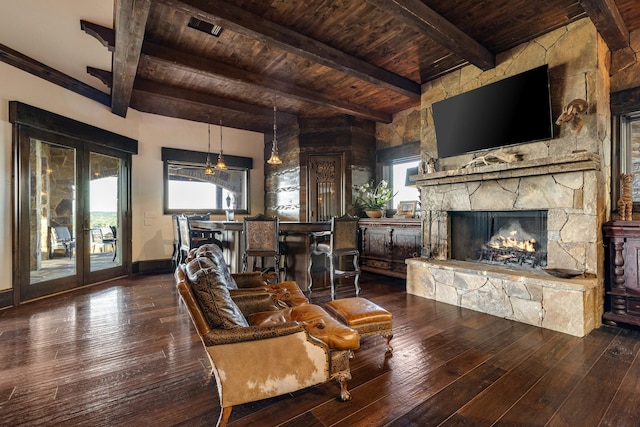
514	238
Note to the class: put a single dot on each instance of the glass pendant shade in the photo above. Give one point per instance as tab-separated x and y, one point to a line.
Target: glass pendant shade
274	159
208	170
221	164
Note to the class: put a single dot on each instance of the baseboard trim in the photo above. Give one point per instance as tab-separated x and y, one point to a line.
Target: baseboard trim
6	298
155	266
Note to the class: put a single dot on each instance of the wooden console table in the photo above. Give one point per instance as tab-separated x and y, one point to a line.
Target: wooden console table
387	242
622	283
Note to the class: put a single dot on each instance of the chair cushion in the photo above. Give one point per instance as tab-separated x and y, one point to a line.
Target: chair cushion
209	287
288	292
316	321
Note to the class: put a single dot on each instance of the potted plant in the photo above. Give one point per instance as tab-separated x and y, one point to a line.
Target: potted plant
372	198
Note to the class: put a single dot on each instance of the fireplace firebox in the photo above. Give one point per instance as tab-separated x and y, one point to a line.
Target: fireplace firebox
512	238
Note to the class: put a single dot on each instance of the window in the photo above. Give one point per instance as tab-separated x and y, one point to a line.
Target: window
630	151
395	163
625	109
406	191
188	189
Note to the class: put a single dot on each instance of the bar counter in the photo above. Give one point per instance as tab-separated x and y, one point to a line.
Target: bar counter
295	235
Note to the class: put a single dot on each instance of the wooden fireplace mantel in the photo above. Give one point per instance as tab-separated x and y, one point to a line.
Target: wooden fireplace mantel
543	166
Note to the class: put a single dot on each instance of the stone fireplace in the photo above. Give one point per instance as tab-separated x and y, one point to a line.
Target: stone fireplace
554	200
566	177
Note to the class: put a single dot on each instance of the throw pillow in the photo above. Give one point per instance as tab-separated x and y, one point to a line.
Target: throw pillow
212	294
216	258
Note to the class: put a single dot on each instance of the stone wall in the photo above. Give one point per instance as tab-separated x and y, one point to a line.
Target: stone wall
576	57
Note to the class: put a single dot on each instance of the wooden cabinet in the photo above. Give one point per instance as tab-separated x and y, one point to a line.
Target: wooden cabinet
622	283
387	242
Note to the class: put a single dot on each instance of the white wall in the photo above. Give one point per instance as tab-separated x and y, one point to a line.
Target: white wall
153	238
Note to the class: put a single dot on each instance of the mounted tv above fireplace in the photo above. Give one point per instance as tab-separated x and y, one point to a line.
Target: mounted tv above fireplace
511	111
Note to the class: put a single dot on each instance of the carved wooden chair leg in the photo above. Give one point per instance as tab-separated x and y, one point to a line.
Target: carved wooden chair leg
356	268
388	336
344	393
224	416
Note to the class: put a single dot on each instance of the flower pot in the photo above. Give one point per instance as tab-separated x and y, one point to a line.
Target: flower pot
374	213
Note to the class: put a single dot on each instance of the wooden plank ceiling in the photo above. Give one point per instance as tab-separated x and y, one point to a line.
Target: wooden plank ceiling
366	59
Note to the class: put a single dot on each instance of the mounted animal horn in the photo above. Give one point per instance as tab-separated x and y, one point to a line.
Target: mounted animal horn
570	115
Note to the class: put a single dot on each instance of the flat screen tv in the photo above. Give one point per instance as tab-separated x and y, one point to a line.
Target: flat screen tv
511	111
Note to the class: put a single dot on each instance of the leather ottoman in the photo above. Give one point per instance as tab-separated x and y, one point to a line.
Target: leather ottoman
364	316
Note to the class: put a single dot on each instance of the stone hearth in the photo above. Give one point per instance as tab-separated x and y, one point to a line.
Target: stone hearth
536	298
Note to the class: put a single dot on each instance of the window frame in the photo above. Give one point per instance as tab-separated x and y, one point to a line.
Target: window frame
387	157
625	105
178	157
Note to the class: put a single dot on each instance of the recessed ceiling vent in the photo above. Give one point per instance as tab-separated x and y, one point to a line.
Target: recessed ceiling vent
205	27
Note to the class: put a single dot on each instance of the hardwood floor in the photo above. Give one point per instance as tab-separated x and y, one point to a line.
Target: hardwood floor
126	353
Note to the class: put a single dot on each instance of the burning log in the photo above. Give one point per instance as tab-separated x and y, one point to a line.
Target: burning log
511	249
513	256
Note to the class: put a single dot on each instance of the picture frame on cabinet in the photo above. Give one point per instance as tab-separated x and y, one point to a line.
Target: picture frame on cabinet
406	209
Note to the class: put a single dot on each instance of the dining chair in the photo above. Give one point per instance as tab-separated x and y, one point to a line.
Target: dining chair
261	239
191	238
188	240
109	237
176	256
114	233
97	245
342	244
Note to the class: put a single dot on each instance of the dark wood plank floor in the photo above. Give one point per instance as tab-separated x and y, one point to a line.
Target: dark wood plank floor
126	353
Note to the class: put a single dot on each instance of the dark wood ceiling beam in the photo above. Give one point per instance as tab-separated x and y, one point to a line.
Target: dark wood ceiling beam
131	20
207	105
425	20
179	60
38	69
206	101
625	101
106	36
606	16
197	107
241	21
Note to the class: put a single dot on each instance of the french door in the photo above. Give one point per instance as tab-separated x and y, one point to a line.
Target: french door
73	199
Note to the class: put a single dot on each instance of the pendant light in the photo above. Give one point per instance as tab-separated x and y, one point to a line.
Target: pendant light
221	164
208	170
274	159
